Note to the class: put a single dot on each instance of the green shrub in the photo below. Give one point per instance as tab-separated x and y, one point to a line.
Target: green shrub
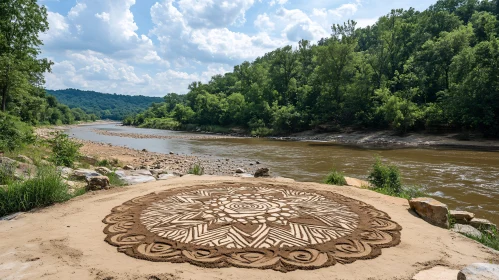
7	171
46	188
262	132
115	180
14	134
196	169
335	178
385	176
64	150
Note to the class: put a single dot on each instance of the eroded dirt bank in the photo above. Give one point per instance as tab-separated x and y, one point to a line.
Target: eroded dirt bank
66	241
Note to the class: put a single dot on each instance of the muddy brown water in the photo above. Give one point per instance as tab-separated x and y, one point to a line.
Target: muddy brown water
464	179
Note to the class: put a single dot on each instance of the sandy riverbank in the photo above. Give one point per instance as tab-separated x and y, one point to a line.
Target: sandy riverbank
66	241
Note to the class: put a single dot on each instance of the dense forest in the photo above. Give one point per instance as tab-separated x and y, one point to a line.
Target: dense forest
104	106
436	70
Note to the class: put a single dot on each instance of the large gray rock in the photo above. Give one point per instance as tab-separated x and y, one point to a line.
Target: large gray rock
82	174
479	271
128	167
467	230
96	183
138	179
482	224
461	217
431	210
141	172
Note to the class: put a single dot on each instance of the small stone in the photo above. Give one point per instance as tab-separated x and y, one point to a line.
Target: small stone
479	271
128	167
262	172
103	170
431	210
461	217
482	224
172	153
96	183
257	162
144	150
240	171
467	230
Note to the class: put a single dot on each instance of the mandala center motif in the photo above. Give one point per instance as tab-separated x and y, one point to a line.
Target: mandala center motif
249	209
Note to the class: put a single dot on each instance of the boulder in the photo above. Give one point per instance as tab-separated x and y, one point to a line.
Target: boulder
482	224
65	172
431	210
262	172
467	230
81	174
479	271
140	172
24	159
166	176
437	273
96	183
8	161
128	167
240	171
103	170
138	179
461	217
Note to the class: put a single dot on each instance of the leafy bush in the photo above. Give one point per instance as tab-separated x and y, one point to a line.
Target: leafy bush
335	178
160	123
262	132
14	134
196	169
385	176
64	150
46	188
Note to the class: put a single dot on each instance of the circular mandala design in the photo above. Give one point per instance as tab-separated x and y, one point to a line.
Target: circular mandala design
250	225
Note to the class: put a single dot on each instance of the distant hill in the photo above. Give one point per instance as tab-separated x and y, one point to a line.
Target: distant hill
103	105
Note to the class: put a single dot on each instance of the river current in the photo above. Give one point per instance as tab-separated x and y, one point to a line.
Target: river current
463	179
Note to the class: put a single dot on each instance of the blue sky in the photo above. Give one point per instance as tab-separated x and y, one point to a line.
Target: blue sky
153	47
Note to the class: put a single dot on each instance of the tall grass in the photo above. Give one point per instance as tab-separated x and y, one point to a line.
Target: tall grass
196	169
115	180
46	188
488	238
335	178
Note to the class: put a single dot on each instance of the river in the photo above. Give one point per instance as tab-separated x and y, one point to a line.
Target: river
463	179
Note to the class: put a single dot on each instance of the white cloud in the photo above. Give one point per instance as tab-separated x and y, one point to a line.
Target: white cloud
280	2
263	22
214	13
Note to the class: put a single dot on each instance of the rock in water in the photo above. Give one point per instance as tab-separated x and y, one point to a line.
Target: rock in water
431	210
262	172
461	217
96	183
240	171
103	170
479	271
467	229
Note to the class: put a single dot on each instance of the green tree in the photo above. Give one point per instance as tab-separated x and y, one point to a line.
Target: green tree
21	21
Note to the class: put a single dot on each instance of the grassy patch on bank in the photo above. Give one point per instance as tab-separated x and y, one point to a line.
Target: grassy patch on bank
196	169
489	239
46	188
385	179
115	180
335	178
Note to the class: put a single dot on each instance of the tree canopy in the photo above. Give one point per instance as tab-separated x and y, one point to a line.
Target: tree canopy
436	69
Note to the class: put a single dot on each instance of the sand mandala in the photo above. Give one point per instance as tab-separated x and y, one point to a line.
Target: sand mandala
249	225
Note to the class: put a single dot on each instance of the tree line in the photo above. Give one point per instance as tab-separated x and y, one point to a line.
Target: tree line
104	106
436	70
